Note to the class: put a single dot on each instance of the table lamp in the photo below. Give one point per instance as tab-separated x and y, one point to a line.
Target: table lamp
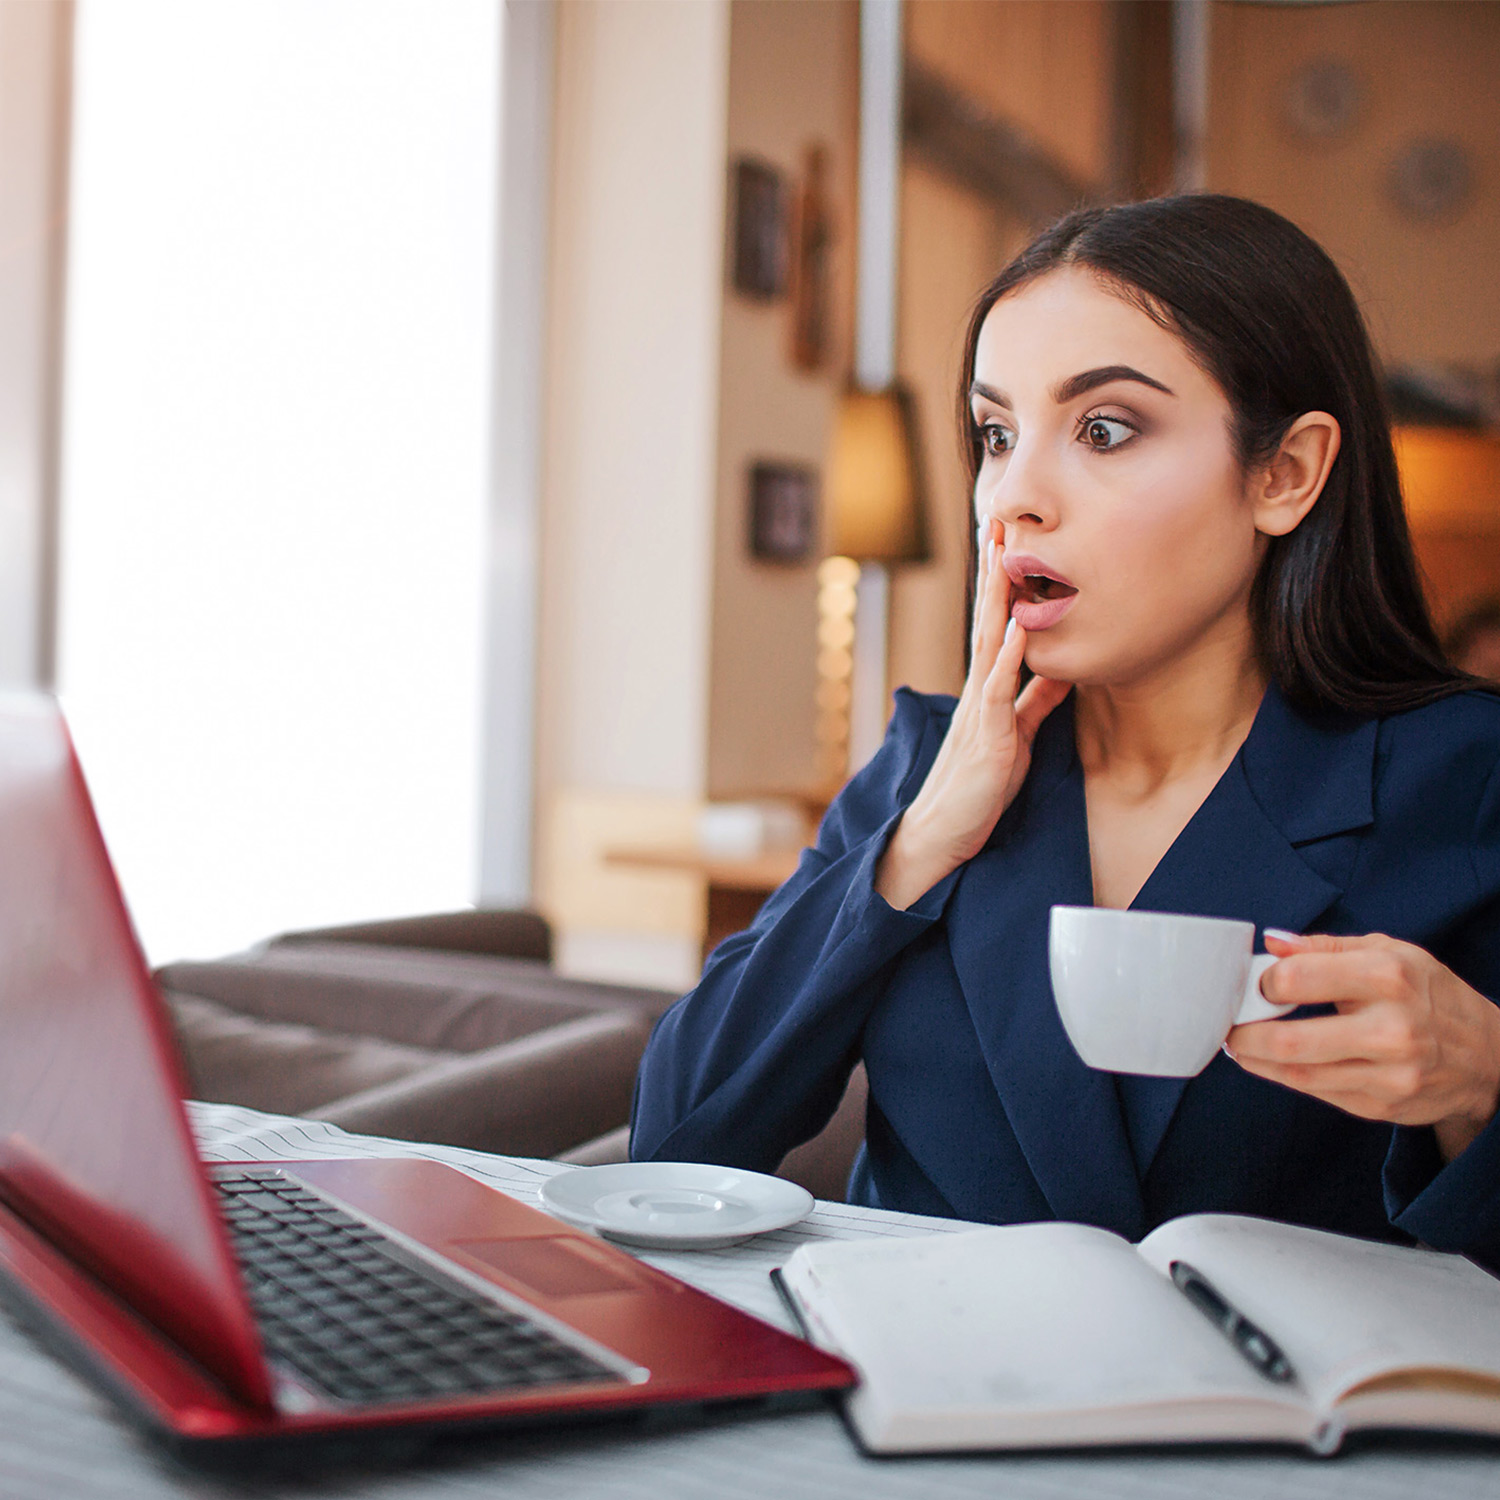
876	518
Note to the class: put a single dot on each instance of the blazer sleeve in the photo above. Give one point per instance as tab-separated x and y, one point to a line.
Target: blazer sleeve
1456	1205
755	1060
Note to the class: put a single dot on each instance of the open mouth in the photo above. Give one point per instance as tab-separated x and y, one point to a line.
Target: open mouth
1039	598
1038	588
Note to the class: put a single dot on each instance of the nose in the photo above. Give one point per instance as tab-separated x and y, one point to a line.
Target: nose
1023	493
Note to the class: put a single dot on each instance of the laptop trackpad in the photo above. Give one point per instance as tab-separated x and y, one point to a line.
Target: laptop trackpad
550	1267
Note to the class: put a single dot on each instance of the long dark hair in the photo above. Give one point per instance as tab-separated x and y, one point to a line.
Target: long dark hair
1336	607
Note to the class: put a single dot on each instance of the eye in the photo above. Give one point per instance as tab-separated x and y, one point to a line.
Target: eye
996	439
1104	434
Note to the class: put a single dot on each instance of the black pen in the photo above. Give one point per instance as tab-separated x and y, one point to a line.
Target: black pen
1256	1345
791	1304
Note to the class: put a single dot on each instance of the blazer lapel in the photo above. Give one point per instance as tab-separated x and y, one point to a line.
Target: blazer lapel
1066	1116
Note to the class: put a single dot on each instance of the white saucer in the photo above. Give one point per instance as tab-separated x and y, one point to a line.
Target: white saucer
674	1205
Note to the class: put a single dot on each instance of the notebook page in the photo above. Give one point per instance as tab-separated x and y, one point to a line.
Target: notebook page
1344	1310
1028	1318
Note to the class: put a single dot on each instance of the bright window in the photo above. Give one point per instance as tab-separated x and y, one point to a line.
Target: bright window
275	454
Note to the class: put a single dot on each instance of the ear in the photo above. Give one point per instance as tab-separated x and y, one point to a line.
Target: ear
1285	489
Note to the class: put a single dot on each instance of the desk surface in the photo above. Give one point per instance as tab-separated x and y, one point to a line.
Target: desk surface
59	1441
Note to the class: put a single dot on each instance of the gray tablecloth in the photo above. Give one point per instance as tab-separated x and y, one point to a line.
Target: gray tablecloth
59	1441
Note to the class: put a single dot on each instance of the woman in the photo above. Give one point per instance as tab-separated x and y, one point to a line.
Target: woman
1190	531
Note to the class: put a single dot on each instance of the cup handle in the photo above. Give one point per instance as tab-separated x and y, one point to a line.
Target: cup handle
1255	1006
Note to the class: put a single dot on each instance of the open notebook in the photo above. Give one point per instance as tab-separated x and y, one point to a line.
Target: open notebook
1060	1335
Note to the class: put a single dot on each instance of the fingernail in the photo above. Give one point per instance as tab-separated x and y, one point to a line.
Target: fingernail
990	554
1282	936
1010	630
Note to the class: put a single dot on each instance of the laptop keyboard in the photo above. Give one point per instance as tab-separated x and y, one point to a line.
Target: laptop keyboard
345	1308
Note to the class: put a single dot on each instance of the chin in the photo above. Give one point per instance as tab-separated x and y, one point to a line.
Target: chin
1074	661
1061	661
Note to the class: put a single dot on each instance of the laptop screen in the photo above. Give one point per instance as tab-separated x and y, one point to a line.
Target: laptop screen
95	1150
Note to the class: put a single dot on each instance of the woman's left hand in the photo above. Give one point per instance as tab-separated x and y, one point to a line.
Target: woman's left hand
1411	1043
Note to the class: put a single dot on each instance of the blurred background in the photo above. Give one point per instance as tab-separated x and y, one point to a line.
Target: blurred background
426	445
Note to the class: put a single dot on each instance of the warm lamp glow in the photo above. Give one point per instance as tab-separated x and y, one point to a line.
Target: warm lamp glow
873	484
1450	480
837	578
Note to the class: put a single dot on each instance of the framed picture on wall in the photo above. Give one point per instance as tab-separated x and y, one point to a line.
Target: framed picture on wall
760	229
811	241
783	512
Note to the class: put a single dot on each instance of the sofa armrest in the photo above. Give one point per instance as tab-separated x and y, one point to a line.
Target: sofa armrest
500	933
603	1151
534	1096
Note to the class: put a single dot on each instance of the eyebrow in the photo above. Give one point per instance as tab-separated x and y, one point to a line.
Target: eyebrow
1078	385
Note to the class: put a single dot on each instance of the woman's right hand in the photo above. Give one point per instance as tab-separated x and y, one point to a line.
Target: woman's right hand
985	754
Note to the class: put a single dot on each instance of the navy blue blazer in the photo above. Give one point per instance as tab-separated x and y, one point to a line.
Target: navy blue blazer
979	1106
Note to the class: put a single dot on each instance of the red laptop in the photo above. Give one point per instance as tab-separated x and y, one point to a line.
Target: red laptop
231	1306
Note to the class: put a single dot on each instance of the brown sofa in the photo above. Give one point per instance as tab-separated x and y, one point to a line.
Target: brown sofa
452	1029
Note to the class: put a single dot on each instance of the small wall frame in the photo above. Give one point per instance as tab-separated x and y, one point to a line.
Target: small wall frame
783	512
760	229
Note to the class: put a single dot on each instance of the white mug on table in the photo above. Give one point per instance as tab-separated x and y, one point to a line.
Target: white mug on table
1153	992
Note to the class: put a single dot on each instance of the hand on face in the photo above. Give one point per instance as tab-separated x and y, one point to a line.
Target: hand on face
985	755
1411	1043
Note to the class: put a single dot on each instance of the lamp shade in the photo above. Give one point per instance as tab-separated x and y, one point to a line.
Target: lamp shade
873	491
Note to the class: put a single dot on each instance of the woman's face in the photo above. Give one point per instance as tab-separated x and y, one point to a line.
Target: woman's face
1108	460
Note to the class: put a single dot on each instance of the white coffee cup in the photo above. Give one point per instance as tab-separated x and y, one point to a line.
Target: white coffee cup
1153	992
